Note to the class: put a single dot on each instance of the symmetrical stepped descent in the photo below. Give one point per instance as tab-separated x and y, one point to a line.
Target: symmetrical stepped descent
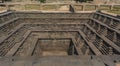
58	34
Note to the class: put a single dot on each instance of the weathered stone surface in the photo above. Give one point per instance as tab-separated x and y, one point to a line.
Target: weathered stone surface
67	39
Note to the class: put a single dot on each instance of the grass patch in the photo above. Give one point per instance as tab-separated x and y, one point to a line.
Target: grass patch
32	7
89	8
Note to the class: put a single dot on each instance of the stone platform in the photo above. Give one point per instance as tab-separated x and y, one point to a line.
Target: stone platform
64	61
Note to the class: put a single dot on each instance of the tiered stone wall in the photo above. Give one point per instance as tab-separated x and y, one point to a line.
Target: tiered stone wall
95	33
